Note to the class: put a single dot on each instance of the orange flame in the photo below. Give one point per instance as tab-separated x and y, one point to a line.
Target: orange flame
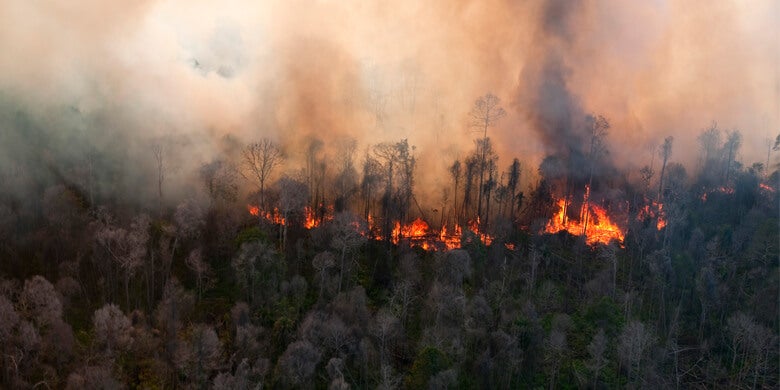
599	227
309	220
272	216
653	210
418	232
450	241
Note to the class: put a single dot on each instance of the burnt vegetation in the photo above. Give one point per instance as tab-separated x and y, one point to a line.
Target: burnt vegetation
337	275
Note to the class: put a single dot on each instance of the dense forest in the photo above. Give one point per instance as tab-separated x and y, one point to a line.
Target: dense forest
339	275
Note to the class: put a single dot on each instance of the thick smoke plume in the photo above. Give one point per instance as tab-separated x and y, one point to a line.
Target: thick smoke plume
96	82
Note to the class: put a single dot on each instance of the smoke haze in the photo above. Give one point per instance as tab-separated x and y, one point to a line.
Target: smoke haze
116	77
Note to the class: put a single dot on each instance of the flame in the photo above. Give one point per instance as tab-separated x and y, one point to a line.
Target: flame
721	189
599	227
766	187
309	220
726	190
653	210
272	216
450	241
418	232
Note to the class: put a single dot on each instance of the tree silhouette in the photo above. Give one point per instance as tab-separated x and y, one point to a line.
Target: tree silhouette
485	113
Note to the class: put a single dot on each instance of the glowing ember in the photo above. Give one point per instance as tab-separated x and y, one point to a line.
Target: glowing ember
418	232
474	227
766	187
272	216
721	189
309	221
653	210
599	227
450	241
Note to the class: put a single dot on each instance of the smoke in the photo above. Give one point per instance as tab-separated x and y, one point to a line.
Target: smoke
113	78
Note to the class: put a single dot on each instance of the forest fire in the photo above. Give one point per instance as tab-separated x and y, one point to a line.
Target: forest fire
653	210
418	232
722	190
272	216
593	222
450	241
310	221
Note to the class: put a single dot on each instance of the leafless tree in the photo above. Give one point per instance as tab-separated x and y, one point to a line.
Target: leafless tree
201	354
161	166
256	269
486	112
259	160
372	176
349	233
733	142
293	196
403	298
385	328
347	178
665	152
8	320
298	363
597	127
40	301
634	342
597	349
93	377
198	265
457	174
752	346
126	247
512	184
172	310
112	328
323	262
219	179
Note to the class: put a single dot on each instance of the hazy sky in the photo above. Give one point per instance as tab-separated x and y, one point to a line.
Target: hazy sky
380	71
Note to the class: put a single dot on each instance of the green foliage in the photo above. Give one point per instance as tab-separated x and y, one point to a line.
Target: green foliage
250	234
429	362
605	313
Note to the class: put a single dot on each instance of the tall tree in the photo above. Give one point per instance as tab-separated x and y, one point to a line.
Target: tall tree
733	142
219	178
514	181
597	130
665	152
259	160
457	174
486	112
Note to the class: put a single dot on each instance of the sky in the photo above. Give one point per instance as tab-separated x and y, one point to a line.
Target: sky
375	71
